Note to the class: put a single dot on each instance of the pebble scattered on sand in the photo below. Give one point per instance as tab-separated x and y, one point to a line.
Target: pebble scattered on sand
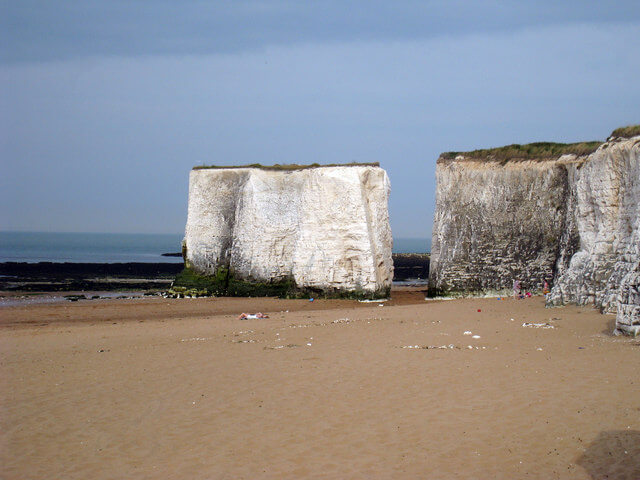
537	325
440	347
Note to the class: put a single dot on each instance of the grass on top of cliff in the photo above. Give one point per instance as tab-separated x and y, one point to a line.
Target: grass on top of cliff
287	167
626	132
530	151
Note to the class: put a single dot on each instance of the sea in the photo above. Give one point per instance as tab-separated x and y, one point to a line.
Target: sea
35	247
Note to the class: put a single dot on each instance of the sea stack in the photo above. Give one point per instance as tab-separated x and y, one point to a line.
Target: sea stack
322	229
567	214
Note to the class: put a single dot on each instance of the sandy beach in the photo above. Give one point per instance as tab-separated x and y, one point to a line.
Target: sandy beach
180	388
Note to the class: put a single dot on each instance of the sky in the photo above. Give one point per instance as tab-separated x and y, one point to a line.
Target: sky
105	106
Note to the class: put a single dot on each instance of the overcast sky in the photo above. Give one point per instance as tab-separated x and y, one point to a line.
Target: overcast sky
106	105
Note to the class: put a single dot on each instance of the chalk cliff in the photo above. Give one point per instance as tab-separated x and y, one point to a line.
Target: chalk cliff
628	302
523	212
496	222
322	228
606	209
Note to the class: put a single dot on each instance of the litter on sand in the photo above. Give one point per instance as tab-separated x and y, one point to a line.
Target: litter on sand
278	347
440	347
429	347
471	333
251	316
537	325
373	301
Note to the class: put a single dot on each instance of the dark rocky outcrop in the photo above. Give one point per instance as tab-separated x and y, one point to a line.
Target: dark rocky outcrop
410	266
52	277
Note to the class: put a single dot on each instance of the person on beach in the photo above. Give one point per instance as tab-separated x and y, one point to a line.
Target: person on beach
545	287
516	289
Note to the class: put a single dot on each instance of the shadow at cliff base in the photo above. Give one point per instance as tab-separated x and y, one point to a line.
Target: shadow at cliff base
610	328
613	455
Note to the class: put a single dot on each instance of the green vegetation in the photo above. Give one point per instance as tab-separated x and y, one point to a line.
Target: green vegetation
206	285
357	294
540	150
626	132
530	151
284	289
289	167
188	283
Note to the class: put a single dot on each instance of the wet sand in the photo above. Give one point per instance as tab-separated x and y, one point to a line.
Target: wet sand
159	388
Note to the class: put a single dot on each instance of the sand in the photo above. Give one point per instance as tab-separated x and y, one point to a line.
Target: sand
159	388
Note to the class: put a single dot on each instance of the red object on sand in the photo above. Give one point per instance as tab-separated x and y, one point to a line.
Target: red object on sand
479	310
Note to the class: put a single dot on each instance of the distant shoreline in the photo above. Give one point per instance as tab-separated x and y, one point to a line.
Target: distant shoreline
90	248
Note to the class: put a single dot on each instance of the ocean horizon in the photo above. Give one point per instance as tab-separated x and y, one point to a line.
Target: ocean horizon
60	247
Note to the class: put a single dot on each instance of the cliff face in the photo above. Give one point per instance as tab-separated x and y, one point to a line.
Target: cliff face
628	303
573	220
605	270
496	222
606	211
325	228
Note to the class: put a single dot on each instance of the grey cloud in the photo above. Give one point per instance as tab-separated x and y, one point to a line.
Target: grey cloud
41	30
107	144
